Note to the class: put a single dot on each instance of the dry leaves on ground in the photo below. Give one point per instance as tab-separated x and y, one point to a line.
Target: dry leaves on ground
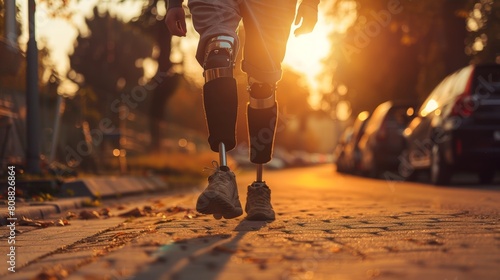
39	223
89	215
136	212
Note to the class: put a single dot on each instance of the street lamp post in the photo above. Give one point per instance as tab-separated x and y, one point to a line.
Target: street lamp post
32	97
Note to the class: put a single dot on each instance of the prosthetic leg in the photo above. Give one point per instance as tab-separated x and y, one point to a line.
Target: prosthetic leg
262	114
220	95
220	101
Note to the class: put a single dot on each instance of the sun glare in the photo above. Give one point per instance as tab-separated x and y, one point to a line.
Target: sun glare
305	55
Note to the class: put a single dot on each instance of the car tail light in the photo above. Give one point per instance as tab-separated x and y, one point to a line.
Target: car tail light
464	104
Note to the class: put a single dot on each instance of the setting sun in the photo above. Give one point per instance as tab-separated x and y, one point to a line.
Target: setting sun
305	55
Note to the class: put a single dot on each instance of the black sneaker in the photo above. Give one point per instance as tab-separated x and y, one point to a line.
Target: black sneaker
220	198
258	205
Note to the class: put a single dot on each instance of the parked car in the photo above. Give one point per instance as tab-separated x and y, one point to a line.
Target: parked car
350	155
383	142
458	126
338	154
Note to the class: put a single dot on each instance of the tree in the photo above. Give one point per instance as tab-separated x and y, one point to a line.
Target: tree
9	55
483	24
108	61
398	49
106	64
152	24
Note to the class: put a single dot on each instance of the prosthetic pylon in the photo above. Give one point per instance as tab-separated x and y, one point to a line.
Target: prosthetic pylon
220	98
260	168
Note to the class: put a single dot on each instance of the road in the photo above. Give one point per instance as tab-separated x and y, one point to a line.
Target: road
328	226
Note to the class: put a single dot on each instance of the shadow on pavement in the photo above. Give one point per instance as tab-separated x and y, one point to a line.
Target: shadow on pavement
203	257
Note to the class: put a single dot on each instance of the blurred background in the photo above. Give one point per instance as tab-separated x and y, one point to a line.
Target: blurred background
119	95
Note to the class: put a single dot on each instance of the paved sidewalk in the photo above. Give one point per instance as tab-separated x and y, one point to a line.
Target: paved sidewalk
75	193
327	227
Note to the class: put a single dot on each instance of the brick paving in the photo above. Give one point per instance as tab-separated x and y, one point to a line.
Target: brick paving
335	228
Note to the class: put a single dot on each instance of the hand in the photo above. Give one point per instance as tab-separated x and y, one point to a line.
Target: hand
176	21
309	16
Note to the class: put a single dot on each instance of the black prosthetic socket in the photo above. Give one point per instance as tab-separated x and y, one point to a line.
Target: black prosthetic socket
262	123
217	59
261	90
221	105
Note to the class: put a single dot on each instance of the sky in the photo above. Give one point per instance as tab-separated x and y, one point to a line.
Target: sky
304	53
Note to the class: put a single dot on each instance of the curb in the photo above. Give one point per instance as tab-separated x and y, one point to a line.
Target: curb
42	210
77	191
112	186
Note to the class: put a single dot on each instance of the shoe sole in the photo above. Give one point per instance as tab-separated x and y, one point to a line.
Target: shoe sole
212	203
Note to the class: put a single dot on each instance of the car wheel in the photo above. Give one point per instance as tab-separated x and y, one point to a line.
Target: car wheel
486	176
440	172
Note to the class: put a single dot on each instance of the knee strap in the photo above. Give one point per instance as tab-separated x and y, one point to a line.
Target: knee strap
219	58
262	95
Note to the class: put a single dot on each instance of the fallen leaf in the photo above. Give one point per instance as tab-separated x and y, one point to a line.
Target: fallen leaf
105	212
29	222
47	223
159	204
70	215
53	273
176	209
89	215
336	249
136	212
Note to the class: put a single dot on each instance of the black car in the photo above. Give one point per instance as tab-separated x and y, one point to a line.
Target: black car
458	126
349	153
339	156
383	141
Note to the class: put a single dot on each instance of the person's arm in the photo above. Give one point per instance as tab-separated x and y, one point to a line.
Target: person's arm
307	16
176	18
